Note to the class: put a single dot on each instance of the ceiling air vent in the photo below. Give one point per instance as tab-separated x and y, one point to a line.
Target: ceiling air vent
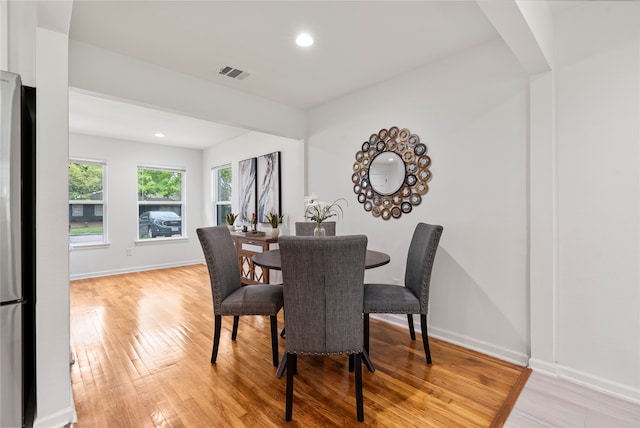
234	73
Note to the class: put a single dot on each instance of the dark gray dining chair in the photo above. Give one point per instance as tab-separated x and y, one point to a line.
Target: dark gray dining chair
305	228
230	297
413	298
323	293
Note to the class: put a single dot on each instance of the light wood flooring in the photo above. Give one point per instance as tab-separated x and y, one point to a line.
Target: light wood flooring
142	344
550	402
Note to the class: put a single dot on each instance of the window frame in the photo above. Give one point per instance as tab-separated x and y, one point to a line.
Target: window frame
103	202
182	203
215	202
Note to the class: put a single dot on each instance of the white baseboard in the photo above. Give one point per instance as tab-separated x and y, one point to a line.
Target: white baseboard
596	383
543	367
134	269
59	419
547	368
457	339
395	319
481	346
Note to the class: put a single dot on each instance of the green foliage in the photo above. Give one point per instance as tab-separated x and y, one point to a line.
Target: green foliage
85	181
86	231
274	219
231	218
224	184
159	185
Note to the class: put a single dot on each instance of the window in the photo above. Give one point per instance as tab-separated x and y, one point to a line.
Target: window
77	210
86	202
221	185
160	202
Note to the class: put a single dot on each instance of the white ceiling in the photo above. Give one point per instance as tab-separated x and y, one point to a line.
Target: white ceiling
357	44
93	115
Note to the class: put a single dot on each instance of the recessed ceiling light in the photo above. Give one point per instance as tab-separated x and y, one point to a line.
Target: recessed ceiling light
304	40
159	134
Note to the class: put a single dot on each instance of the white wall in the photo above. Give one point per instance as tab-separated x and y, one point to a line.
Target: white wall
597	48
471	111
122	159
54	401
479	116
40	56
255	144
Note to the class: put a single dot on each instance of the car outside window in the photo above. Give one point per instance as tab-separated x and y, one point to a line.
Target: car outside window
160	203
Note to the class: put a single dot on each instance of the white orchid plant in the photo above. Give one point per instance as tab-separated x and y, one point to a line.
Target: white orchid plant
319	211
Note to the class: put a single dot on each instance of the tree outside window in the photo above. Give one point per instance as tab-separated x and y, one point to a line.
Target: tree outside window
160	202
86	202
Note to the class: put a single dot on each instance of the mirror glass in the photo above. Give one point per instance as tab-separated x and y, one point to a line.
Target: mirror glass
386	173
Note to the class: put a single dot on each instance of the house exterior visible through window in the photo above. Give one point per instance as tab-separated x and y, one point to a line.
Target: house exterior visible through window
87	206
160	202
222	190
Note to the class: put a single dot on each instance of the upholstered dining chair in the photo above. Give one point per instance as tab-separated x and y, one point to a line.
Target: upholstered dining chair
305	228
413	298
230	297
323	293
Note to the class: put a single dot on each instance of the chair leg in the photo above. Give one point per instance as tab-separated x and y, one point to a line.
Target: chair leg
412	331
351	362
283	332
358	379
274	339
365	328
291	363
234	332
282	366
425	338
216	337
367	361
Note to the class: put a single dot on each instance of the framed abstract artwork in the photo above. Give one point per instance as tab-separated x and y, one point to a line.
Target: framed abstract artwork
247	185
268	185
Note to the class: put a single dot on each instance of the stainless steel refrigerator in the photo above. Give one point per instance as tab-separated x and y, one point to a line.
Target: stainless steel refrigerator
17	251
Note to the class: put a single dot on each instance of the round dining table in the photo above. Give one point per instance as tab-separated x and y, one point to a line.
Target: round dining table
271	259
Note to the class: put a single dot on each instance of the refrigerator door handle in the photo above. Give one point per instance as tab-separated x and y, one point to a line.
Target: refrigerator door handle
12	302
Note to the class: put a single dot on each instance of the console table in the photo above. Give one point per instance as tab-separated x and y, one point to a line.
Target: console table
246	248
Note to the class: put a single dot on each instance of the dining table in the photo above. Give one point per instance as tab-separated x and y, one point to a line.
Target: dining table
272	260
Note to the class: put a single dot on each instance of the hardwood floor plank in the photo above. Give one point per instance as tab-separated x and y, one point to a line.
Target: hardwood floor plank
143	341
502	415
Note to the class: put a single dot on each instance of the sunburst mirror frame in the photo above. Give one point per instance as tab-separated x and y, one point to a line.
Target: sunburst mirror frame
416	173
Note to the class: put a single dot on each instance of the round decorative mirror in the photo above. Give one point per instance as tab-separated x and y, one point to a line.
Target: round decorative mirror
386	173
391	172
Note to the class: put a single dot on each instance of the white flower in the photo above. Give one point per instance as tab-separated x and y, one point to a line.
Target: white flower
318	211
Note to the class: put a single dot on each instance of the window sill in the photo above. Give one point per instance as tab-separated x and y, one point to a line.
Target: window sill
89	246
153	241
